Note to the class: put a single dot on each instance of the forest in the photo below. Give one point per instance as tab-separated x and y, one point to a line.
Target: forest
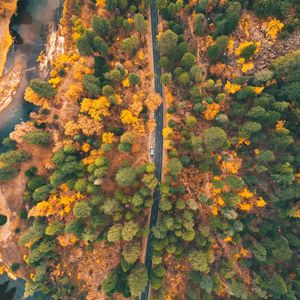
228	223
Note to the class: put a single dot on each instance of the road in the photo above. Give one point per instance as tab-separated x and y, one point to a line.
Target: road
158	151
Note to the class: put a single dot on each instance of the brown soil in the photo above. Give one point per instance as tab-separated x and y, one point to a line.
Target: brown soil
91	267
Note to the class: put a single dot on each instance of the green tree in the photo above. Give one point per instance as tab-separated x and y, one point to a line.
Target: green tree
81	185
41	193
125	176
174	166
162	4
92	85
215	138
134	79
114	233
42	88
190	121
184	79
167	41
55	228
130	45
37	137
82	210
100	46
199	23
265	8
166	78
188	60
248	51
13	157
131	253
114	75
266	156
199	261
109	283
34	233
129	231
100	26
216	52
84	43
196	73
140	23
138	280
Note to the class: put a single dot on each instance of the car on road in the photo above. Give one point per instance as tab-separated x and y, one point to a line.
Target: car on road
151	152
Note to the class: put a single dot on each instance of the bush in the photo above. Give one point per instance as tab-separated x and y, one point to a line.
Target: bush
15	267
3	220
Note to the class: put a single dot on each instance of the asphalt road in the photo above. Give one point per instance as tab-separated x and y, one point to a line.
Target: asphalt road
158	151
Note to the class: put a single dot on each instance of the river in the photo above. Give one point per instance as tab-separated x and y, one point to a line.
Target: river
29	28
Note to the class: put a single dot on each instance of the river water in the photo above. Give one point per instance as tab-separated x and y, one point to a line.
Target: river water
30	28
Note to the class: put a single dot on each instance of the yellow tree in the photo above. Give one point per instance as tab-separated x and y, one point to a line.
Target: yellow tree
153	101
96	108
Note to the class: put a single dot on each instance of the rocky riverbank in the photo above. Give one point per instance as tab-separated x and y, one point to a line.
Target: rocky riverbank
10	82
7	9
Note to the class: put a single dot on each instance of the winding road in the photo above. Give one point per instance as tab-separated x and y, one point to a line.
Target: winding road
158	151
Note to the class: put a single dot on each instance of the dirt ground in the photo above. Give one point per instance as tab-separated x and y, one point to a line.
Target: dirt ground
11	203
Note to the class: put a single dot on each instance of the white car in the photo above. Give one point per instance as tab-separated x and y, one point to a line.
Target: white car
151	152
